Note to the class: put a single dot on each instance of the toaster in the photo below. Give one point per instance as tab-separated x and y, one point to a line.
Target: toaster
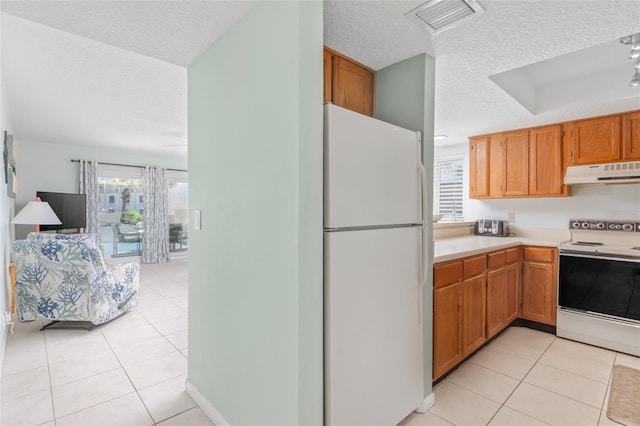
491	228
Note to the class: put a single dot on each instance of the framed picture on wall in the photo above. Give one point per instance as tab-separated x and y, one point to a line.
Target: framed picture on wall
5	156
10	169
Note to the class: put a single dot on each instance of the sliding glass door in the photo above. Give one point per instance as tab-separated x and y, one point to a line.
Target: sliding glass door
121	200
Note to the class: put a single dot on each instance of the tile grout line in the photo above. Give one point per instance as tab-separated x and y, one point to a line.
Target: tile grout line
46	352
556	393
135	389
506	375
520	382
50	344
606	392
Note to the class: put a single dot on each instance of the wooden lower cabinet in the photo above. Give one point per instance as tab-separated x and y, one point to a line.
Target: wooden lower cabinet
447	328
459	311
540	285
503	290
473	313
496	300
475	298
514	282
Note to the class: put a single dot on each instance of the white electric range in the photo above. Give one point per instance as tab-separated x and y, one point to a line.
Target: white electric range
599	284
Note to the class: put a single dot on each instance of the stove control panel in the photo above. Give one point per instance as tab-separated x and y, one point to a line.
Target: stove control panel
603	225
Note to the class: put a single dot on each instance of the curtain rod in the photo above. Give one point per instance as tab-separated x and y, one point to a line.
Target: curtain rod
130	165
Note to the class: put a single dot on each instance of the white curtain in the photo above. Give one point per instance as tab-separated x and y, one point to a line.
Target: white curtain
155	241
89	186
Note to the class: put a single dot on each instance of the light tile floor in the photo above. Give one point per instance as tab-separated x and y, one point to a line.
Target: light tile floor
526	377
130	371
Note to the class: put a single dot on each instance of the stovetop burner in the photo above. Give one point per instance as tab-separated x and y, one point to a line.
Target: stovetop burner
586	243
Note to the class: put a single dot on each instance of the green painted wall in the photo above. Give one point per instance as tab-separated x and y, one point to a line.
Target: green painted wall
255	172
405	94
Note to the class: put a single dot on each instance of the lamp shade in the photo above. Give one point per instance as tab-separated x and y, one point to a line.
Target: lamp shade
36	213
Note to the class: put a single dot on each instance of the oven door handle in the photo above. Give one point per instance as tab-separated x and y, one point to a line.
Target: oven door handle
606	256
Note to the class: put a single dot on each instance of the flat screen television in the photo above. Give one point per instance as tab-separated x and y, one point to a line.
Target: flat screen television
71	209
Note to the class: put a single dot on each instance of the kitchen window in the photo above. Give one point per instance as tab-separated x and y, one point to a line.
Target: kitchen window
447	187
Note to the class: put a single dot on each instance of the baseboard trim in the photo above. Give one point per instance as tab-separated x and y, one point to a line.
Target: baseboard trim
428	402
208	409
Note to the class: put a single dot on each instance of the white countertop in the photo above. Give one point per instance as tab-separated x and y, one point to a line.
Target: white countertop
468	245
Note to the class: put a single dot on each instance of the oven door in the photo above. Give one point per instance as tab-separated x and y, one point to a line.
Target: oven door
600	284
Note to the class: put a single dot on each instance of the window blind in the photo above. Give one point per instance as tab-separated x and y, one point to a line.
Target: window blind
447	187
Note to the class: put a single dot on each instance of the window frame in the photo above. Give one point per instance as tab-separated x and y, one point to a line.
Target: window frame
456	193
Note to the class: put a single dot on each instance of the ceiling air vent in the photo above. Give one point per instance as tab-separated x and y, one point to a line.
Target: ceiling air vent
439	15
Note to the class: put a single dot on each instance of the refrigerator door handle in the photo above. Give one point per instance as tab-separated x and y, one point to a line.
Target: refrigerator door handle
423	251
423	180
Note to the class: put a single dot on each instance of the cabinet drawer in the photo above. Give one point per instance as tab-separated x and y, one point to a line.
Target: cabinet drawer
496	259
474	266
513	255
445	274
539	254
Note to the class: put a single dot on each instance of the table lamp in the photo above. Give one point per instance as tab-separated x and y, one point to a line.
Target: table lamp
36	213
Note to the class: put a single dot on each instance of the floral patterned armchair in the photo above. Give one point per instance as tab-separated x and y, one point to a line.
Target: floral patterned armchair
64	277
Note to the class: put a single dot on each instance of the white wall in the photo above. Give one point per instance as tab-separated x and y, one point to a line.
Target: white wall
6	212
48	167
613	202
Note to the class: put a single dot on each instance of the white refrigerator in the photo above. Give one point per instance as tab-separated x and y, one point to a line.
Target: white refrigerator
375	263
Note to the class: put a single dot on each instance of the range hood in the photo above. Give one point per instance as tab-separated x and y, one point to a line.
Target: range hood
603	174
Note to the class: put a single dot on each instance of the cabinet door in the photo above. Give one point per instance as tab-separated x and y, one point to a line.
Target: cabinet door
631	136
545	161
515	153
539	292
352	86
473	314
496	301
596	140
328	76
513	279
447	328
496	171
479	167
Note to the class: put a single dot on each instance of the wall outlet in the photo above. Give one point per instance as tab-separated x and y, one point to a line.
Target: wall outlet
511	217
7	317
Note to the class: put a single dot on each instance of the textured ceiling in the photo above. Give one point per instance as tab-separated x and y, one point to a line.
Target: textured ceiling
106	73
511	34
172	31
112	73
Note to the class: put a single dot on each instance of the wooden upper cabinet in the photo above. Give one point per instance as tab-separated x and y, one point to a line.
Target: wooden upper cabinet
595	140
328	76
348	83
352	86
532	162
479	167
515	152
631	136
496	163
545	161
